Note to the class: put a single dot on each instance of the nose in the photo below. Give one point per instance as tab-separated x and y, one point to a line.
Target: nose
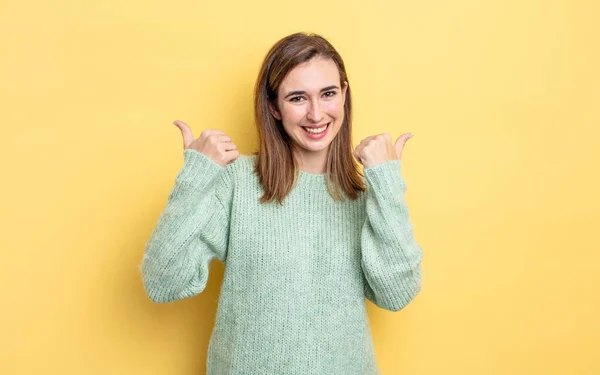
315	112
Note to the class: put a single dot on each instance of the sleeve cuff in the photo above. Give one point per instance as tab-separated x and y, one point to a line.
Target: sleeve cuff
386	178
199	172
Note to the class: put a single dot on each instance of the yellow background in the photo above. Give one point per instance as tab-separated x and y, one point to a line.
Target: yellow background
503	98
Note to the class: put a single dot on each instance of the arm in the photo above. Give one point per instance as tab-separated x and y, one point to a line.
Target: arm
391	258
191	231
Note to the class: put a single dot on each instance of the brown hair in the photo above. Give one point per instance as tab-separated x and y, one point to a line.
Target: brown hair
275	164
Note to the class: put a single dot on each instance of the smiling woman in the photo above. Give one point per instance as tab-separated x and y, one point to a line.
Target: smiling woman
317	110
297	271
303	109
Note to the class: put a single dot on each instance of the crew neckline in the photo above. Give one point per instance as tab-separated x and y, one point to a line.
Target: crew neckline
312	181
305	180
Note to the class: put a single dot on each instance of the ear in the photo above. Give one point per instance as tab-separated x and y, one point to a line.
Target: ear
274	112
344	89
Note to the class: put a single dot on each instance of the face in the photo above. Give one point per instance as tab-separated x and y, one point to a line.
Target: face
311	106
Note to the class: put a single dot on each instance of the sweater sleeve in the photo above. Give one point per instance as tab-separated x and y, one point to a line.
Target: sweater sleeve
192	230
391	258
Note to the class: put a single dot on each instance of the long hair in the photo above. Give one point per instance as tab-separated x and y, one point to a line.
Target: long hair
275	165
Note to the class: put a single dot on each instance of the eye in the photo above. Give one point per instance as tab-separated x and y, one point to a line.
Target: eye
329	94
296	99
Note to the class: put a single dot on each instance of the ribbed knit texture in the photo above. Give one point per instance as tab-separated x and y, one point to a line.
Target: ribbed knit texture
296	276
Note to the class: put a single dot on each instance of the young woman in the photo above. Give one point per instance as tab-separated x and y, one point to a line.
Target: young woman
304	235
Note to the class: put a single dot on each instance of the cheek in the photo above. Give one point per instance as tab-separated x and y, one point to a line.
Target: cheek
335	108
292	114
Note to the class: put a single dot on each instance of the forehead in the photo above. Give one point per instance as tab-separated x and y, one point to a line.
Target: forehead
312	75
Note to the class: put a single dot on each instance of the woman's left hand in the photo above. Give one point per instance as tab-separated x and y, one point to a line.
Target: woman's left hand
378	149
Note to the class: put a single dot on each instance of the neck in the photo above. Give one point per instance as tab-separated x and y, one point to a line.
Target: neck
312	162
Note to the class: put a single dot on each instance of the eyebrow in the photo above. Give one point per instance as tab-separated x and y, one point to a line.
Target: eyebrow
300	92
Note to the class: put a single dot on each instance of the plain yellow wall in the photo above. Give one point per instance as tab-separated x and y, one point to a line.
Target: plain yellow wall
503	98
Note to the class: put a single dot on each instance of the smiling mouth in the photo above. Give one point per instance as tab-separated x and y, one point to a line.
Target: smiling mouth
318	130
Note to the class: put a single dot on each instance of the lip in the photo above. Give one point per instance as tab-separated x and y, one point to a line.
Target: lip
316	136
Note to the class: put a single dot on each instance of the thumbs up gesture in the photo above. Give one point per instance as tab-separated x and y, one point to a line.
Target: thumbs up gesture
378	149
212	143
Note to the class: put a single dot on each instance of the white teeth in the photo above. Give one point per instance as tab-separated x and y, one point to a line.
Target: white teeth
317	130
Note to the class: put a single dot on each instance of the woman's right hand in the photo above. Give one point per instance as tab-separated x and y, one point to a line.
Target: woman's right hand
213	143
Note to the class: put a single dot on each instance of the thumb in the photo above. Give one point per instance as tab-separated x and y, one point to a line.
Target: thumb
186	132
400	142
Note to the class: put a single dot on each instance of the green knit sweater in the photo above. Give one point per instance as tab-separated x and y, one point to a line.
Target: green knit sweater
296	276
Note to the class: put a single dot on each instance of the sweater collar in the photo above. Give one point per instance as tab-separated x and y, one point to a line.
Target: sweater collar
311	181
